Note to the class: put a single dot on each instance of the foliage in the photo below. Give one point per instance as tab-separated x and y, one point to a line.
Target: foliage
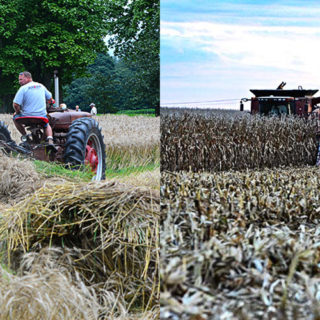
99	86
66	35
138	112
44	35
110	84
134	34
58	170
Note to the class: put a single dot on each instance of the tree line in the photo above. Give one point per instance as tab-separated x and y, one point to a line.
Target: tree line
69	36
110	83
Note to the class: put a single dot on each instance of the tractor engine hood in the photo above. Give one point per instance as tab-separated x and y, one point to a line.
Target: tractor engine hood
63	120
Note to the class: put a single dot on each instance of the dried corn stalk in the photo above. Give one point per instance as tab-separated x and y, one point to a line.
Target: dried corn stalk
218	141
240	245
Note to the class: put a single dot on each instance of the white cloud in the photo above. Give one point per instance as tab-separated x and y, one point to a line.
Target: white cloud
236	58
286	48
201	81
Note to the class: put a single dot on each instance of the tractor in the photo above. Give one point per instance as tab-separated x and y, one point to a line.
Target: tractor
77	137
280	101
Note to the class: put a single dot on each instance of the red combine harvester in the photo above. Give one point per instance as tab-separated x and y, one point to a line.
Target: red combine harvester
283	101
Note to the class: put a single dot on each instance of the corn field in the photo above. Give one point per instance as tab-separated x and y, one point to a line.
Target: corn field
240	212
224	141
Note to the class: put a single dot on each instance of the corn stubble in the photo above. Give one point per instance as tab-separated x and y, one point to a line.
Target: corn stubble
240	245
217	141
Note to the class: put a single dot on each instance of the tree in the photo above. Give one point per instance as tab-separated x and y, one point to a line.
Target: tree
102	89
134	34
99	86
46	35
110	83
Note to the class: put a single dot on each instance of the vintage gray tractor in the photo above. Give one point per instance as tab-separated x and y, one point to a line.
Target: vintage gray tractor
78	141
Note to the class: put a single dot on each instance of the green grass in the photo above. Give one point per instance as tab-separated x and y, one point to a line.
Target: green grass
50	169
140	112
7	269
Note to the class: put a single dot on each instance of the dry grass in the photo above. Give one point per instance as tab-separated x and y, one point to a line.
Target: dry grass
44	288
15	135
125	130
220	141
149	179
18	178
46	293
114	228
132	155
103	236
130	141
117	129
241	245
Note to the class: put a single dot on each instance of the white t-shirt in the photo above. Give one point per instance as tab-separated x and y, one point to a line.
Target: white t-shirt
32	98
93	111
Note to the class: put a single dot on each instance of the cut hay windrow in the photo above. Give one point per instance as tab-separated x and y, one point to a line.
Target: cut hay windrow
17	178
45	288
240	245
217	142
46	293
112	227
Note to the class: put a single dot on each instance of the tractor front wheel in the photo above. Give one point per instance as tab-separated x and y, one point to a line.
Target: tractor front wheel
85	146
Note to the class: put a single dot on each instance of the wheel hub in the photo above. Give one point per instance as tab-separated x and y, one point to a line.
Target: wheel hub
91	157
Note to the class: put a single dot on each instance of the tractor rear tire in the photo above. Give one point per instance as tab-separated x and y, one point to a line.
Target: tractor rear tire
4	135
84	145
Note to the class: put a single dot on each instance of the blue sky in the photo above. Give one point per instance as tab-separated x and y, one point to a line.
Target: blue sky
216	50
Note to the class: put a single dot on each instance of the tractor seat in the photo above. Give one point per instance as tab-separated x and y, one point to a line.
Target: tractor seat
29	121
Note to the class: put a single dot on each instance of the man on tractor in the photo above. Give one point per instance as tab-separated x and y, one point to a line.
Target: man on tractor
30	101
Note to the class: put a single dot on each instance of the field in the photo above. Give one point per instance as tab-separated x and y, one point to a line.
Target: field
73	249
132	143
220	141
240	217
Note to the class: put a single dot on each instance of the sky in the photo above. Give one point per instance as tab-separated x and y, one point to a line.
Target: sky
218	50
